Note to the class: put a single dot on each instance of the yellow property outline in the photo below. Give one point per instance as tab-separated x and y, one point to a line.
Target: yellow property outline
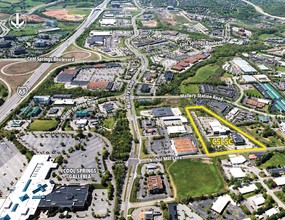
262	146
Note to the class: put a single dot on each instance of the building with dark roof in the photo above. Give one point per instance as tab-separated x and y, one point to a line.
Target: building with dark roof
67	75
110	86
108	107
79	83
162	112
96	40
172	209
168	76
73	197
9	37
19	51
5	44
238	139
62	96
145	88
277	170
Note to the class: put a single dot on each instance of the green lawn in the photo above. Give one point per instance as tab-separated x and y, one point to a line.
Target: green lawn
3	90
280	68
79	11
280	195
194	178
109	123
253	92
189	89
264	36
203	73
277	160
43	125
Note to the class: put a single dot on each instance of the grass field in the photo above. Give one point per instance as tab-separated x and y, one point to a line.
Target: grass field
194	177
203	73
3	90
280	195
277	160
253	92
109	123
280	68
264	36
43	125
189	89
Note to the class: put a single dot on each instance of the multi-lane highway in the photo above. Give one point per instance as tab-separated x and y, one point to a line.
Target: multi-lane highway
15	100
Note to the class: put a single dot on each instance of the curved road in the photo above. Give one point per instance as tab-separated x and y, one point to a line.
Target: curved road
261	11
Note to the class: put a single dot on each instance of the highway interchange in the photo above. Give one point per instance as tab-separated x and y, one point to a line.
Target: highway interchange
32	82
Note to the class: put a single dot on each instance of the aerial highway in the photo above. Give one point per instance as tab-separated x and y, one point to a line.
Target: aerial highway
14	100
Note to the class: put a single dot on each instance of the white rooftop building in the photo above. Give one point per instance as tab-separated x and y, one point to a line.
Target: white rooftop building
32	186
258	200
280	181
64	102
237	173
237	159
248	78
108	22
176	130
218	128
247	189
271	212
243	66
101	33
221	203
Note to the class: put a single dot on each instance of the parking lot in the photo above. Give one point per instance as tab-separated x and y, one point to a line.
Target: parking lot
54	144
11	165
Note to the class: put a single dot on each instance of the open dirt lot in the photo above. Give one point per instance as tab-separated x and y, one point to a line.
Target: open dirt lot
77	54
150	23
20	68
62	14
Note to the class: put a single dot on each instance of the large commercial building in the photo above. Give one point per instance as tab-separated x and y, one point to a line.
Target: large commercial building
46	100
183	146
34	185
241	66
221	203
73	197
218	128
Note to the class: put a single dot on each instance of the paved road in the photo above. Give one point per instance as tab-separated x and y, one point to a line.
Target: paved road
256	171
32	10
235	104
15	100
131	113
261	11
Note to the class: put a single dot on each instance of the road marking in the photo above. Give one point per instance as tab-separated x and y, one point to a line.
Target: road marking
261	147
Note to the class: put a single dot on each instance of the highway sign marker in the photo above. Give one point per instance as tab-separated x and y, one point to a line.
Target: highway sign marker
22	91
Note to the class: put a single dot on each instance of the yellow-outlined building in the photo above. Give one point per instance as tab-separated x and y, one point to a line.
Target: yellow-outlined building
261	147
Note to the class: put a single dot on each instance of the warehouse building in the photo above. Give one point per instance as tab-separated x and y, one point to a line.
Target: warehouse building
218	128
221	203
241	66
183	146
